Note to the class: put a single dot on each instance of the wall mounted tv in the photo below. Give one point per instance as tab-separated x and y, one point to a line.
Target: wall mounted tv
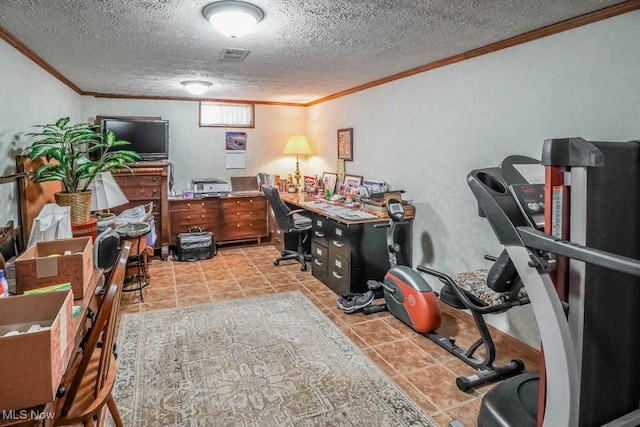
150	138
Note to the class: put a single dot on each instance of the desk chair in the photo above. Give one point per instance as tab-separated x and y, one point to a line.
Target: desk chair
290	222
94	368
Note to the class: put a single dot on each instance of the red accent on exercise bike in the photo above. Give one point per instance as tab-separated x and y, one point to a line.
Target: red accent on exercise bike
423	309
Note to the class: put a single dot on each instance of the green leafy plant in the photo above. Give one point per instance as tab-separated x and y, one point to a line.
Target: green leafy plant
70	146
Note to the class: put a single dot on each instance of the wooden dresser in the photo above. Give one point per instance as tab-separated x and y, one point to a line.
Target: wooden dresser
148	183
231	219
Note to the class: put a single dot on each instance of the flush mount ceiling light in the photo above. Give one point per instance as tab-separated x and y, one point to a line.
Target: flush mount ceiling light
233	18
196	87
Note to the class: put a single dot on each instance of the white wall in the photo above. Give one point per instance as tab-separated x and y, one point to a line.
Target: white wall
422	134
28	96
425	133
199	152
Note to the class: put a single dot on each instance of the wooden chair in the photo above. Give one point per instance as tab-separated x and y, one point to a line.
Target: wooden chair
94	373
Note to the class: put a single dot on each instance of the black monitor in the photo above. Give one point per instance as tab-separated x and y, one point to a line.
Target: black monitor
149	138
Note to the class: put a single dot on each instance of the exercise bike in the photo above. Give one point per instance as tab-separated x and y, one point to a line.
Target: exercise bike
410	298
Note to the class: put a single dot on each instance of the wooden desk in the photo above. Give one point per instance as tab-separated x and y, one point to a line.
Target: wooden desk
347	253
80	324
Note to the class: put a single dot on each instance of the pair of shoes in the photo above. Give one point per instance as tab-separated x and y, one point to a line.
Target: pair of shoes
353	302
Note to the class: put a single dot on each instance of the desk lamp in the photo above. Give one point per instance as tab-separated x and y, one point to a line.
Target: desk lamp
298	145
105	194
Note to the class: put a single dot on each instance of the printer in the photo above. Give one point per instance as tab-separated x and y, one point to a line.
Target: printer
210	187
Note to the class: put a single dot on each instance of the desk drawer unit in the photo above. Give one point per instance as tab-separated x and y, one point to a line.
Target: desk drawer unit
319	261
244	218
320	229
194	213
339	239
338	274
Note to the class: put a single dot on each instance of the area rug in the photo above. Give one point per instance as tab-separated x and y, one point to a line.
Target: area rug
274	360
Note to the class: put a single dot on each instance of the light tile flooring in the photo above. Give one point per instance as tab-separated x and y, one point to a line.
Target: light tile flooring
425	371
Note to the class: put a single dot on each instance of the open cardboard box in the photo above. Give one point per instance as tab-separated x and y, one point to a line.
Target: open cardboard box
45	264
33	363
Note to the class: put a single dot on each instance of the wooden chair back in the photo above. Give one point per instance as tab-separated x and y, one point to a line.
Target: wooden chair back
102	333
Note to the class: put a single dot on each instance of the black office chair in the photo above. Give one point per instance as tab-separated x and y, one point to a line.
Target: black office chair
290	222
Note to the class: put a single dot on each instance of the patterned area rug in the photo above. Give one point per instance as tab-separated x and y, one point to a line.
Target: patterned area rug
274	360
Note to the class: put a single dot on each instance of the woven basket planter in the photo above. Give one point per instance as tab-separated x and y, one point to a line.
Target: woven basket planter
80	204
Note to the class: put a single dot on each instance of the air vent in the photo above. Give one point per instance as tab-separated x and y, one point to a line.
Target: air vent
231	54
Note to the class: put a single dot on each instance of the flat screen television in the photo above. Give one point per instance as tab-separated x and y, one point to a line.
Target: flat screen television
149	138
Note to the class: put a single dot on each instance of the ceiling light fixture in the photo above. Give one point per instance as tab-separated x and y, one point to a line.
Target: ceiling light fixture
196	87
233	18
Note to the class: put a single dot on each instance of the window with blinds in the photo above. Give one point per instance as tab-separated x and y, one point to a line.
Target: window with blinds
226	114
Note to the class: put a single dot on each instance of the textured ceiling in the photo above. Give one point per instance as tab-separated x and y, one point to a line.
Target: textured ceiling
301	51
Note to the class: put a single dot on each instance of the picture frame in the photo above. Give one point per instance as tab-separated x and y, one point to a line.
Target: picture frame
345	144
330	180
352	182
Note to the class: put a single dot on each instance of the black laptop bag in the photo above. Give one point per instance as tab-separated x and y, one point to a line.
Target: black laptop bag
195	245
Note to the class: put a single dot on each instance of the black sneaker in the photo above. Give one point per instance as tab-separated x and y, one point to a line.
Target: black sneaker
356	302
344	301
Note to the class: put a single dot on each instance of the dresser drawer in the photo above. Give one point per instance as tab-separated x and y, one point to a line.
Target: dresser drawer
235	230
338	274
136	180
188	217
195	206
142	193
241	204
319	261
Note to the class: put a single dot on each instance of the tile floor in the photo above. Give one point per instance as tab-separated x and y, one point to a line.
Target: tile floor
425	371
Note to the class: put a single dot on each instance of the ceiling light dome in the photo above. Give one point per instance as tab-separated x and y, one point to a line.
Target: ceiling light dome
233	18
196	87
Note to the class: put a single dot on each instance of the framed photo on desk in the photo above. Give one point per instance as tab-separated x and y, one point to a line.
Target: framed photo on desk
352	181
329	179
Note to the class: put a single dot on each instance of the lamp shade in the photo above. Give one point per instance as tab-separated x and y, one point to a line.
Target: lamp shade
105	192
298	145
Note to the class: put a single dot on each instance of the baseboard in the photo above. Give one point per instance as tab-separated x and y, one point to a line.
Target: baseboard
497	335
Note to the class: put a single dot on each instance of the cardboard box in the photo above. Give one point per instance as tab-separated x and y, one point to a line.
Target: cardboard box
45	264
33	363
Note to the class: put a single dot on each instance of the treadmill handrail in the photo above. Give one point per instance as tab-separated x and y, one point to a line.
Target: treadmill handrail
536	239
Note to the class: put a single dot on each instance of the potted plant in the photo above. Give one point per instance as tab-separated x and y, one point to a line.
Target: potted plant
73	147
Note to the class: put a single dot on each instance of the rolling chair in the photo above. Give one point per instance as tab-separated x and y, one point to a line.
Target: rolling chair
290	222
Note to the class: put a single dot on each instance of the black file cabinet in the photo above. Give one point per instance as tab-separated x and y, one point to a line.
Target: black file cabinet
346	255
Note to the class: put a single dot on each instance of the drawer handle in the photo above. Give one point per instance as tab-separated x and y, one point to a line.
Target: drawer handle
238	213
336	275
202	216
238	225
318	233
189	218
237	201
338	244
316	262
188	205
155	191
202	204
250	200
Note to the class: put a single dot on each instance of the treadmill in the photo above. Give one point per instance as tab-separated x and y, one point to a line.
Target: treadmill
590	349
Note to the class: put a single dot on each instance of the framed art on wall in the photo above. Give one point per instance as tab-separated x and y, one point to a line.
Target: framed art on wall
345	144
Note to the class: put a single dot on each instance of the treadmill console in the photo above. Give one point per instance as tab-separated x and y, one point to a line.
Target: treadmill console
530	199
